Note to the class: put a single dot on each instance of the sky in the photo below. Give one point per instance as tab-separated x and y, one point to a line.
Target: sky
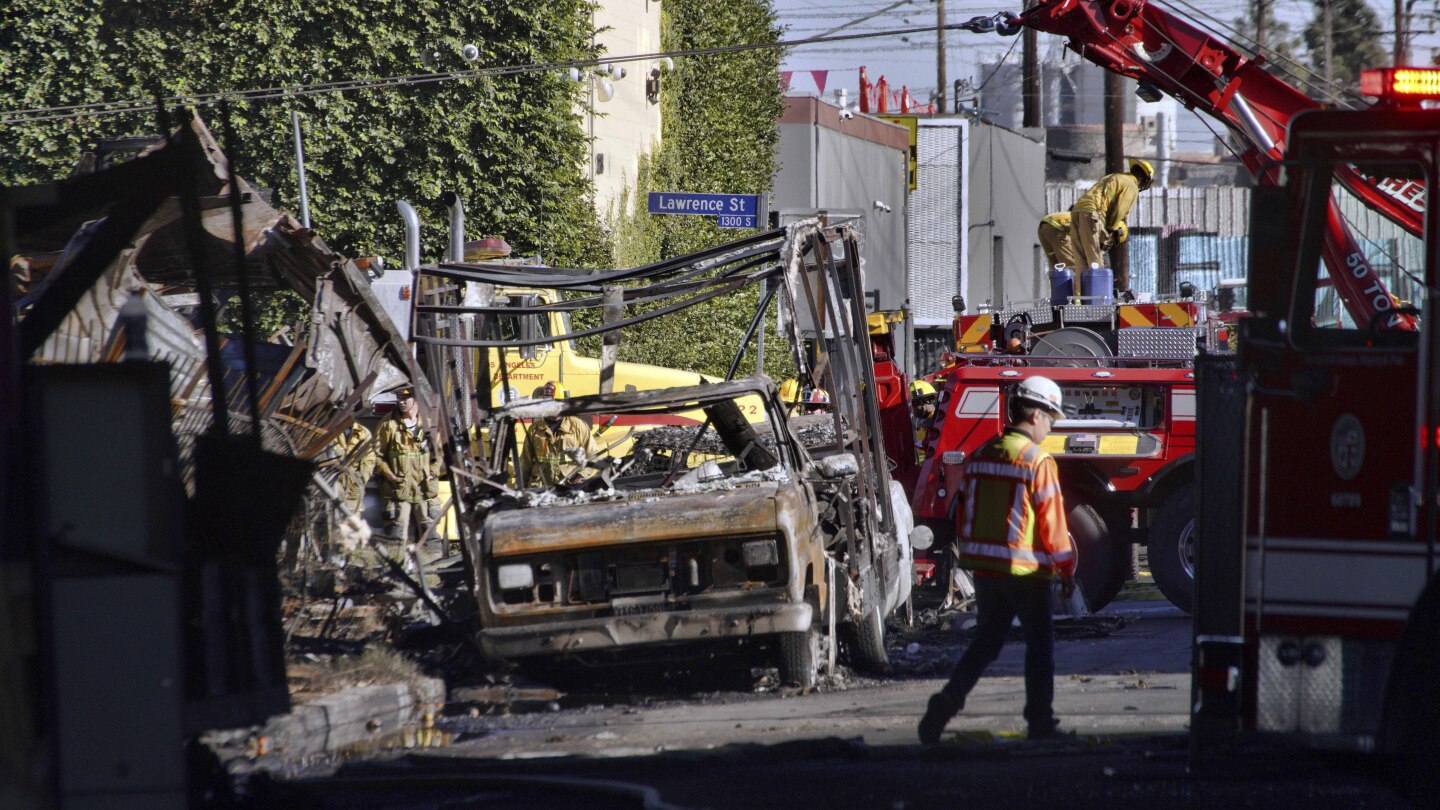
912	62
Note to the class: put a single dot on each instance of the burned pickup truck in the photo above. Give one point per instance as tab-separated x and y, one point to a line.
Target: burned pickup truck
722	531
701	514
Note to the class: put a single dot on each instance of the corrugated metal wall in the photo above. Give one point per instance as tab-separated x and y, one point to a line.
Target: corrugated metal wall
937	239
1199	235
1179	234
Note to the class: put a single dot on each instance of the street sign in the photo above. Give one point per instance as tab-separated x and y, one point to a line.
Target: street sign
736	221
729	210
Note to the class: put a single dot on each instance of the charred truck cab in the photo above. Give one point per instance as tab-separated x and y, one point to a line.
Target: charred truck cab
1317	613
644	551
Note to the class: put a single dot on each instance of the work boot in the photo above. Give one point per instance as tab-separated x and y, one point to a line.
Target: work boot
1047	731
938	712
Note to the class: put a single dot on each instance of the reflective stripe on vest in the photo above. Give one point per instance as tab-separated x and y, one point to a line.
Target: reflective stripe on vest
1000	529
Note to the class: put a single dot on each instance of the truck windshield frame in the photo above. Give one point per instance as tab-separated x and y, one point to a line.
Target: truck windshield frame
1312	327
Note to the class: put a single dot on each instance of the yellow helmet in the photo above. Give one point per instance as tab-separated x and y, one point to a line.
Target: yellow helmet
550	390
1143	171
790	391
921	388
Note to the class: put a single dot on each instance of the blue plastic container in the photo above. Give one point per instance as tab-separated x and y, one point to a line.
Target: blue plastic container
1062	285
1097	286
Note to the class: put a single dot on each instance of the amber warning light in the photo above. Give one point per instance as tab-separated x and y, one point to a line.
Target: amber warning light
1400	85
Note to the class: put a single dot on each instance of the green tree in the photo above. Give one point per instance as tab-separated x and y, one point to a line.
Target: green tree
1282	45
719	134
508	145
1354	43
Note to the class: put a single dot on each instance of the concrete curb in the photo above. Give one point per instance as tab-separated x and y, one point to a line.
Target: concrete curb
351	717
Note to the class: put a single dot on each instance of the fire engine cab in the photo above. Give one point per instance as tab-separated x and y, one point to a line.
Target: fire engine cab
1317	611
1125	447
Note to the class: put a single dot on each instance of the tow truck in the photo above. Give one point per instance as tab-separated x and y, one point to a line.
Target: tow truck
1317	610
1318	614
1150	503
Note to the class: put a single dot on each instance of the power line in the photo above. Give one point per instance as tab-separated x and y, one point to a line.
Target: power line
130	106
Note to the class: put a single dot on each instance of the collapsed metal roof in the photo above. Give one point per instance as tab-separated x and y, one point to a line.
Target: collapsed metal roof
102	239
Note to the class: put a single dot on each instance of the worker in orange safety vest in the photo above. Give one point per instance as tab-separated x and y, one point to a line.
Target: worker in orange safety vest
1011	525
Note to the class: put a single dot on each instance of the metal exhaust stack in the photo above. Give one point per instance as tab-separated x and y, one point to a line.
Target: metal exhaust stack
457	225
412	235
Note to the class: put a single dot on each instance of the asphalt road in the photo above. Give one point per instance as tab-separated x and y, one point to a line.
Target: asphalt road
1133	680
1122	687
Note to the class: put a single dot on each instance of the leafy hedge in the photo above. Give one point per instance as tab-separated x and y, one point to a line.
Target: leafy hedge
719	134
510	146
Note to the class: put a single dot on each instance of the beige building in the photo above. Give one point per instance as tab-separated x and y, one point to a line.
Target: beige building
626	122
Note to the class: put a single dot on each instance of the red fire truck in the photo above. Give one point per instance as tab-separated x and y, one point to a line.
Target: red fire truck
1125	449
1317	612
1120	499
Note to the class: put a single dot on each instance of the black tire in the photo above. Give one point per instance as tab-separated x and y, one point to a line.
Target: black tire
1100	565
868	652
799	658
1410	721
866	638
1172	547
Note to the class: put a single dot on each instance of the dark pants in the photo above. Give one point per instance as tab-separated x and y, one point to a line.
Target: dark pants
998	600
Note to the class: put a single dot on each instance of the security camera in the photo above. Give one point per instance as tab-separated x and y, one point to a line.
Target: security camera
846	115
469	53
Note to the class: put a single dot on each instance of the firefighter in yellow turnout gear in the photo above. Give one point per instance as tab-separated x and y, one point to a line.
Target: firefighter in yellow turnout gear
357	464
557	447
1097	219
409	464
1054	236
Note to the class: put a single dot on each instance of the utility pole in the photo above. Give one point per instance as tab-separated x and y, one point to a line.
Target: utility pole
1030	81
1329	45
1115	154
940	55
1402	56
1260	13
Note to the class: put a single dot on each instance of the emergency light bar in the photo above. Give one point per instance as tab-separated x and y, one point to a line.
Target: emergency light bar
1401	84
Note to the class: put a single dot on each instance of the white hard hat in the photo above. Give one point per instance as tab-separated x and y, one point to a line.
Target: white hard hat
1041	391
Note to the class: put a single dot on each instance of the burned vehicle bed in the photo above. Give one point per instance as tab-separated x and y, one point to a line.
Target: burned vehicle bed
702	533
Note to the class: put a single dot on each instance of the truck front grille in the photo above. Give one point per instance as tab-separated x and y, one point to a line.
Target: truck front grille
594	577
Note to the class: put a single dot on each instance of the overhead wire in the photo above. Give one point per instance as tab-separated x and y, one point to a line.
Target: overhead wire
1336	90
120	107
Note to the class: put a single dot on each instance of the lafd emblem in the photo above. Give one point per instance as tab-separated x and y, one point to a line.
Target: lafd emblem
1347	447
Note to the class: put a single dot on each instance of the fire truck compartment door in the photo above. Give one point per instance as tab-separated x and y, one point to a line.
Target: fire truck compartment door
1108	445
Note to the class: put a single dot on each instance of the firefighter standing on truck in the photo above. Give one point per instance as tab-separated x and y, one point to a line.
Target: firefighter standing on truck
1011	522
1054	236
409	470
555	447
1097	219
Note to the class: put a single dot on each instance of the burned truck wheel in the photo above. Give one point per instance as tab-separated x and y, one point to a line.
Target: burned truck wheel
865	639
799	658
1100	564
1172	547
868	643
